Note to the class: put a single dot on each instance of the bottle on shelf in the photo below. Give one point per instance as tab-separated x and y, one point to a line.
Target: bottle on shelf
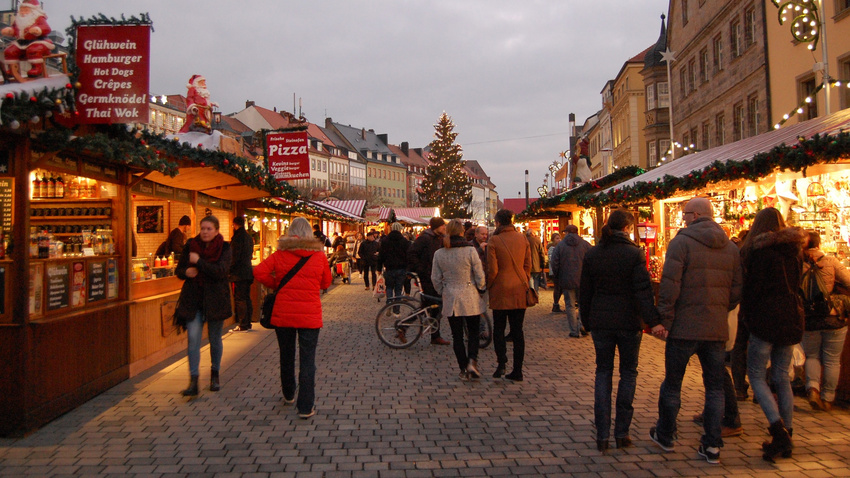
73	188
36	187
43	188
51	186
43	245
60	187
171	260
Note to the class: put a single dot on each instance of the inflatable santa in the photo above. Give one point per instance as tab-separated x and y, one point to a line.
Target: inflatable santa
198	106
30	31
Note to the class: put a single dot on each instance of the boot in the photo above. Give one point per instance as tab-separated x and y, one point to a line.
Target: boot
214	384
36	70
781	443
813	396
472	369
500	370
192	391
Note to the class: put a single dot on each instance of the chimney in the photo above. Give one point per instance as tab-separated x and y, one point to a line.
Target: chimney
249	103
384	138
329	123
275	109
418	151
363	133
405	148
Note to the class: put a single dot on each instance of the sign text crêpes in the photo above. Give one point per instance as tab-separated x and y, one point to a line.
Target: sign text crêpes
114	64
287	155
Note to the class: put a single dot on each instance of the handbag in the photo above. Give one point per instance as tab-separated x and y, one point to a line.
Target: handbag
268	301
531	298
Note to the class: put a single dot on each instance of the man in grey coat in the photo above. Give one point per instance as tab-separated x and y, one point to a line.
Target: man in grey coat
566	270
700	284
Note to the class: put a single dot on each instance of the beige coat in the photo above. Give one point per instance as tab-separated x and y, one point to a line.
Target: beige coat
458	276
506	286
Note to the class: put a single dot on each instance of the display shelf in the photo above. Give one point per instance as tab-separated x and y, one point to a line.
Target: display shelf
65	218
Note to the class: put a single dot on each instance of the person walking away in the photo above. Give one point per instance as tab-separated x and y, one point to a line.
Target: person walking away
369	255
566	265
823	339
393	257
700	284
355	252
204	266
738	355
337	241
537	261
772	309
297	310
458	277
508	273
241	274
318	234
420	257
556	289
617	302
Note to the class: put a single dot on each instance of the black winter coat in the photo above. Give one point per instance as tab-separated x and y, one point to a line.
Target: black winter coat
393	253
615	291
208	292
369	252
242	247
770	304
421	257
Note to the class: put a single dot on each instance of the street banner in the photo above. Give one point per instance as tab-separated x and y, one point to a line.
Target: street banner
114	63
287	155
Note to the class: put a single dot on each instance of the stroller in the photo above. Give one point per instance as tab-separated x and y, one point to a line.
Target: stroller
340	264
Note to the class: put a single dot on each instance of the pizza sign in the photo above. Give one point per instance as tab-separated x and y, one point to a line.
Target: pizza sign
287	155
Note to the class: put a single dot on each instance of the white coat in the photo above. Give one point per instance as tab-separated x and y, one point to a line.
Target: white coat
458	276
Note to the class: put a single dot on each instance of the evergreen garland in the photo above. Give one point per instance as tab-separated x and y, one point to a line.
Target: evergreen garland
798	157
446	184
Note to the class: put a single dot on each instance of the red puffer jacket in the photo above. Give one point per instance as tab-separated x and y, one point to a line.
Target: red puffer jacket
298	304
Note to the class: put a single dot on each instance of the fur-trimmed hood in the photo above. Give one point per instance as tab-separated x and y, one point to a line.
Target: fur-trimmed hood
792	236
299	245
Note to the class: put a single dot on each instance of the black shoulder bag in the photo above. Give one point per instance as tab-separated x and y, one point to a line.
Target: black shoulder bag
268	301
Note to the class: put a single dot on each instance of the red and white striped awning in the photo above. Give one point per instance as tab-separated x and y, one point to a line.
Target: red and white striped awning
351	207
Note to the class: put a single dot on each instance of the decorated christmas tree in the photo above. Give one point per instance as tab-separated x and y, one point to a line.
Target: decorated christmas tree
446	184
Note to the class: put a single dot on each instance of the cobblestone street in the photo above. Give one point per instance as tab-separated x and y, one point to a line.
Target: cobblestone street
401	413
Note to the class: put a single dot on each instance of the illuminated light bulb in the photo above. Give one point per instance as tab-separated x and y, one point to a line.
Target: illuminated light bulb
800	110
785	116
776	126
811	47
808	99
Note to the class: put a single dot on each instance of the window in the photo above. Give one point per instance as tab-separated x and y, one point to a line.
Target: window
313	164
752	115
664	147
683	81
650	97
807	88
684	12
686	140
844	69
705	137
694	137
738	121
692	73
652	154
663	95
842	5
735	38
717	49
720	129
324	166
749	26
703	65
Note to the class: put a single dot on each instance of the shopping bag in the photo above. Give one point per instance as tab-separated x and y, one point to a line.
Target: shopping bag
380	288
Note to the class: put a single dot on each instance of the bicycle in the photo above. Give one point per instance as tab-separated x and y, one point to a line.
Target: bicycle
403	320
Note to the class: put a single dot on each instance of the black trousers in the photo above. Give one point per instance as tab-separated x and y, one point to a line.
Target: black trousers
500	321
242	303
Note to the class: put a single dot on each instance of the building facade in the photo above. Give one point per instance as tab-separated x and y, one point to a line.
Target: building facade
627	115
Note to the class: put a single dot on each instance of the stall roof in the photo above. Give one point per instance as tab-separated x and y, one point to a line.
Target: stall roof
352	207
329	207
744	149
208	181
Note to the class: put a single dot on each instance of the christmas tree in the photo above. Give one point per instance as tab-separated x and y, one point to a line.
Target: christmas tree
446	184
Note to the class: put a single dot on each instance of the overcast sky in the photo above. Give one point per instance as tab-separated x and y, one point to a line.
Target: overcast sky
507	72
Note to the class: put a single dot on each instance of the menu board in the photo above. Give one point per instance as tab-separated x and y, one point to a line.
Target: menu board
78	284
7	185
36	288
112	279
2	290
97	281
58	285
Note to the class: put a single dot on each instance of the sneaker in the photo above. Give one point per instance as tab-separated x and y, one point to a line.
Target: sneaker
308	414
288	401
727	432
813	396
472	370
710	453
240	328
665	445
584	332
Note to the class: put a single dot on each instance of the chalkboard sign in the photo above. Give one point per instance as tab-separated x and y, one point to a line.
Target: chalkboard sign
7	185
2	290
58	285
97	281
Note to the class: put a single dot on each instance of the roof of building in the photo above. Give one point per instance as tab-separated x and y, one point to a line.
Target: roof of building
653	55
365	140
516	205
411	158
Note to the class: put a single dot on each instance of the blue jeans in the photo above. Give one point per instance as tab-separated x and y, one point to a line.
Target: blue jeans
711	356
627	342
824	347
758	353
573	320
195	331
538	280
394	281
308	339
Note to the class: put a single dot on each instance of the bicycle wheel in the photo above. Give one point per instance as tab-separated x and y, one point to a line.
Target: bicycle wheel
485	336
399	324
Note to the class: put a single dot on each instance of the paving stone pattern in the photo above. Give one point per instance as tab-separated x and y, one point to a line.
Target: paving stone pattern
401	413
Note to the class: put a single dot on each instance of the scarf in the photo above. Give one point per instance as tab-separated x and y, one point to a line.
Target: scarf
458	241
209	251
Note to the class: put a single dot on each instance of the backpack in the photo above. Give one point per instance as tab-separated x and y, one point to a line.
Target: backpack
816	298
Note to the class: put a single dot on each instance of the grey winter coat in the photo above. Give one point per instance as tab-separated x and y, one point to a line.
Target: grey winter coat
457	275
701	282
567	259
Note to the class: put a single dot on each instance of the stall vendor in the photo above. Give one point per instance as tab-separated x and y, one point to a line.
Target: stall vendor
176	239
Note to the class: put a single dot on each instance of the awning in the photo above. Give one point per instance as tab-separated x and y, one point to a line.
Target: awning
745	149
328	207
352	207
410	220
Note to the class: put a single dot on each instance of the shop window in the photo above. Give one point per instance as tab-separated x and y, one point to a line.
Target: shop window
749	26
663	95
720	129
650	97
735	38
703	65
752	115
738	121
807	90
717	50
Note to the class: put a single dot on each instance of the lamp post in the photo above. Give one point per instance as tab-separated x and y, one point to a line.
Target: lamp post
526	189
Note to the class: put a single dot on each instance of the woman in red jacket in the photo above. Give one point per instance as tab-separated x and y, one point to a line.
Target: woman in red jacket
297	309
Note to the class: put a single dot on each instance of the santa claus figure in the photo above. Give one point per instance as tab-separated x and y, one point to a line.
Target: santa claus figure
198	106
30	31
